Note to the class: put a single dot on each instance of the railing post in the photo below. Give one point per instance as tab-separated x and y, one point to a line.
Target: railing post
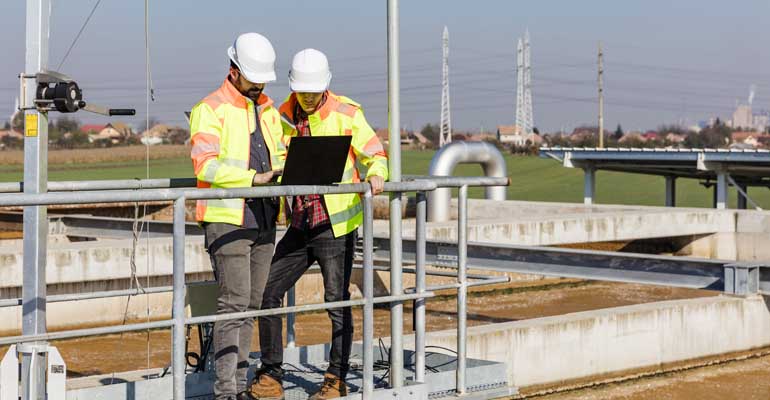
419	307
462	290
368	283
178	331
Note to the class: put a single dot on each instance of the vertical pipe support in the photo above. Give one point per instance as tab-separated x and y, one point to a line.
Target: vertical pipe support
670	191
721	190
419	308
178	330
38	14
394	164
368	283
742	200
462	290
589	184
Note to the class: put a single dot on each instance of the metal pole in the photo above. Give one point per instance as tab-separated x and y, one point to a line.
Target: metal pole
462	291
589	185
670	191
178	315
35	182
721	190
368	283
291	338
419	307
394	162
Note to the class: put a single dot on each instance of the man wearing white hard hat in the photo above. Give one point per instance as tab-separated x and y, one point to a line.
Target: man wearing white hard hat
236	142
323	227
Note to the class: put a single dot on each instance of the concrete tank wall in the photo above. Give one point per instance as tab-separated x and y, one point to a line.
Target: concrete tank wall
585	344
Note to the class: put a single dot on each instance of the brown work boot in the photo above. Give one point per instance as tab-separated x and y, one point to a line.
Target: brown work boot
266	387
332	387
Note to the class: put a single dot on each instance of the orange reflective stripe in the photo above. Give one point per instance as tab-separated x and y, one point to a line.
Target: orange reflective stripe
346	109
204	147
374	147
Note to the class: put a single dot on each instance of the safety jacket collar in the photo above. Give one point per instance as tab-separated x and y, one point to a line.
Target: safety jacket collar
331	103
234	97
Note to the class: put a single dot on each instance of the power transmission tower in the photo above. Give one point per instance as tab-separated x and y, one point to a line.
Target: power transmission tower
519	86
529	122
445	136
524	115
600	81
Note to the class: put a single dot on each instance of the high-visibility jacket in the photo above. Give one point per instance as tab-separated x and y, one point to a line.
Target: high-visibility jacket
338	116
220	126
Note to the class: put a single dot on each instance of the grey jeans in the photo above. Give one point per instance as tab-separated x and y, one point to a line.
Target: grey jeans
241	262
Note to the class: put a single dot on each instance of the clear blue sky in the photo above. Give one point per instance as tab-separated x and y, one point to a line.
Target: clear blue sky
665	60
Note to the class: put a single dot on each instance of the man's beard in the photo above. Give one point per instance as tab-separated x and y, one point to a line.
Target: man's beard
253	94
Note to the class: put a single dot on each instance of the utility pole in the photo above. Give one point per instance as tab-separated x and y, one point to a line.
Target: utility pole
445	136
600	79
520	117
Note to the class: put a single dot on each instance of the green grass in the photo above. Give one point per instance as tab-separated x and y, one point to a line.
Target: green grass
532	178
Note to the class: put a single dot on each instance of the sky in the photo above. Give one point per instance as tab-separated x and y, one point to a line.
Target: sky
665	61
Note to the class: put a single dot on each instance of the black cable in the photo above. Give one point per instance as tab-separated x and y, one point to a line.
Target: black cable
82	28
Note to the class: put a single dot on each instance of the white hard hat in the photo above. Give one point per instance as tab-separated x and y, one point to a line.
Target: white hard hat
254	56
309	72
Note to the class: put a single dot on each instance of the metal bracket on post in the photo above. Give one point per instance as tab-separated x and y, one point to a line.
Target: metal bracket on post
742	278
56	373
9	375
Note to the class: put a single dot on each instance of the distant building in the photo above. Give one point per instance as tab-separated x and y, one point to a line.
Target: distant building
512	134
747	138
745	118
92	128
675	138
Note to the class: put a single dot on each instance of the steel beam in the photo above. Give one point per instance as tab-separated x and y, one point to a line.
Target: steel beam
684	272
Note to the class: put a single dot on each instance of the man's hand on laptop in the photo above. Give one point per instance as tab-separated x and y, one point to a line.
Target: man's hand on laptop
378	184
260	179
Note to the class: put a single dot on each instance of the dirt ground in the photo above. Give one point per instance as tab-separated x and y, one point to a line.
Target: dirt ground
131	351
745	380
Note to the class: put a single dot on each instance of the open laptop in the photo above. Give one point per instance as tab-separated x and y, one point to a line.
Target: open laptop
316	160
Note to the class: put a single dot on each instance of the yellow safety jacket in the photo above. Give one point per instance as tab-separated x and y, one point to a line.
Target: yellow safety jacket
337	116
220	128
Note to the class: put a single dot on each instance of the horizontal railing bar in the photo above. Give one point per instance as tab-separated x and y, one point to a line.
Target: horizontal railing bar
483	282
170	183
165	289
304	308
457	181
205	319
106	330
119	196
91	295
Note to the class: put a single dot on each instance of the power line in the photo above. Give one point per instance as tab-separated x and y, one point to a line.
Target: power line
82	28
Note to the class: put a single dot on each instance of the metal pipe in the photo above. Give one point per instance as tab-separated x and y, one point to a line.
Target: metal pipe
457	181
304	308
462	291
92	295
444	162
394	163
106	330
419	306
368	292
178	361
106	184
119	196
38	13
291	337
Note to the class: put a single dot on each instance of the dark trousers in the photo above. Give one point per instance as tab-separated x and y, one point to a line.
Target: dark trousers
294	254
241	262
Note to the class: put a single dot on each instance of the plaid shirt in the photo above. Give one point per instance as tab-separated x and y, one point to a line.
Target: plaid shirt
307	212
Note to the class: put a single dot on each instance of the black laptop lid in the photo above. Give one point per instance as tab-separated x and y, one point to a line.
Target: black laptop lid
316	160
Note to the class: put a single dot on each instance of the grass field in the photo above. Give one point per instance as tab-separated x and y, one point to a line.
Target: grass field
532	178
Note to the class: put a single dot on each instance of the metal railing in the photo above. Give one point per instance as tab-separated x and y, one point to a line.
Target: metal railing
165	190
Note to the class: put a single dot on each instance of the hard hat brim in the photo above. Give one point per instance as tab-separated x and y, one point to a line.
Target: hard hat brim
309	87
251	76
